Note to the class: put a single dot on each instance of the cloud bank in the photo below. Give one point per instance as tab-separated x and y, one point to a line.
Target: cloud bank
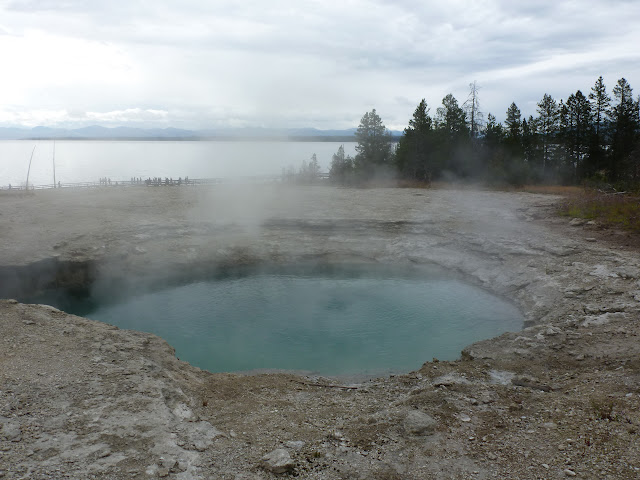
194	64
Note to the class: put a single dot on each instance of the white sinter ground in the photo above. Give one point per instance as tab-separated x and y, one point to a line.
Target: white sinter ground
557	399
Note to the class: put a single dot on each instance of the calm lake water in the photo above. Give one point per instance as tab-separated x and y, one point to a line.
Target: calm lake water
88	161
340	324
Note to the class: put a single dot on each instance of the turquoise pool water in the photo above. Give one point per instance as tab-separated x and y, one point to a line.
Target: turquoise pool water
325	323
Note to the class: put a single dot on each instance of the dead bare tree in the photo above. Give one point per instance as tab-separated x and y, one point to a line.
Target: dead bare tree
472	109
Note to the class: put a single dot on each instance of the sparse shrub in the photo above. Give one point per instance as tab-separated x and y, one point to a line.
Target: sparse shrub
603	407
622	211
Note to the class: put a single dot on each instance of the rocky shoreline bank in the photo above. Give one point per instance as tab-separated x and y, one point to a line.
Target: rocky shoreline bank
80	399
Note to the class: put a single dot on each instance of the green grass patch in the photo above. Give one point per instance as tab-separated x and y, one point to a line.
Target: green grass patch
610	210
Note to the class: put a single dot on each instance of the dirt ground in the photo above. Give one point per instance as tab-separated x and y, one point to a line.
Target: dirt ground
81	399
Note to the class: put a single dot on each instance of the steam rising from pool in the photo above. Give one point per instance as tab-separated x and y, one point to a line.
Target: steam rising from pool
344	322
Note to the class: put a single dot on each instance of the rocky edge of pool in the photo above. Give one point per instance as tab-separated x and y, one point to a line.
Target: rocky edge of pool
82	399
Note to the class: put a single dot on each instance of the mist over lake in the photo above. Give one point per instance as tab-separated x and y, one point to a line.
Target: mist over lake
87	161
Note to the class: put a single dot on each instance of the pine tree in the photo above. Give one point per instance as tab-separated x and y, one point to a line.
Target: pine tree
516	167
421	121
530	143
548	125
412	155
494	133
564	158
578	132
341	171
374	146
313	169
624	125
450	118
493	150
600	103
513	123
452	137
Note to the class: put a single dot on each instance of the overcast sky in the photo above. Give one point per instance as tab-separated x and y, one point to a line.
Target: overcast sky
296	63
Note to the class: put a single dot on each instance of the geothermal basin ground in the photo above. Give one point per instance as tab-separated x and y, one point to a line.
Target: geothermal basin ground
83	399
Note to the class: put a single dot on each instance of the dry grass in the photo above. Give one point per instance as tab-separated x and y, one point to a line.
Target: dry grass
553	189
610	210
403	183
544	189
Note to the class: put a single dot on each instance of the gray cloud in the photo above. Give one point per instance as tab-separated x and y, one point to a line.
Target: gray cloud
301	63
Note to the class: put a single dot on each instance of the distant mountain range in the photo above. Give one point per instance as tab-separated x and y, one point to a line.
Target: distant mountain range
129	133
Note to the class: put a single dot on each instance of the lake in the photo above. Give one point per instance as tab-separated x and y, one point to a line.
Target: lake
88	161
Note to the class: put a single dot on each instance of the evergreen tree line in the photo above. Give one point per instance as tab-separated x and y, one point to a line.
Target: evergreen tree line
583	138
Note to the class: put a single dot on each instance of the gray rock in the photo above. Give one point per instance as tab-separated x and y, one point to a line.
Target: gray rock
295	444
419	423
169	462
450	379
163	472
278	461
464	418
11	431
501	377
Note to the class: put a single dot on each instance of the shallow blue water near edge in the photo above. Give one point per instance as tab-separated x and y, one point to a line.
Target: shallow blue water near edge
316	323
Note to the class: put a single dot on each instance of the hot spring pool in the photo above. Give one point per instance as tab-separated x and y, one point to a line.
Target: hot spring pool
331	323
